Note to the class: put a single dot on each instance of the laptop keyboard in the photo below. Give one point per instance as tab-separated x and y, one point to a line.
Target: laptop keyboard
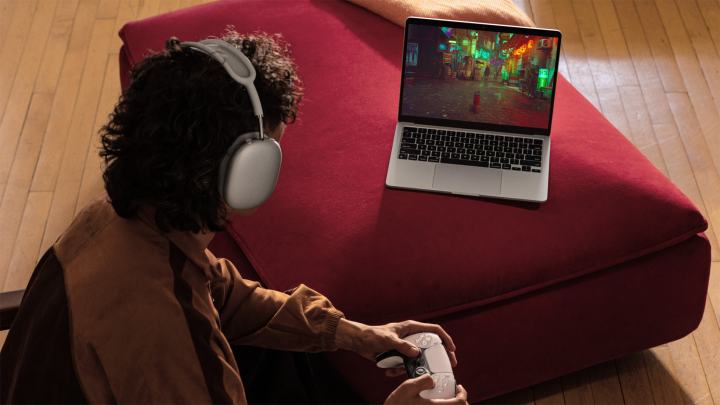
472	149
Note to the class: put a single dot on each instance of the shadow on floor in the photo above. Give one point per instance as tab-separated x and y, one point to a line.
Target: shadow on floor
640	378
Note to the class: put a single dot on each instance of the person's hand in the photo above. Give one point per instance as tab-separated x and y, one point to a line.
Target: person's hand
369	341
409	393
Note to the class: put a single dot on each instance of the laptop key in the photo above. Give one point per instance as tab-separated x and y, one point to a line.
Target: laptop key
506	166
410	151
423	158
526	168
530	163
435	154
445	155
484	159
495	165
455	156
412	157
494	160
537	141
465	156
433	159
425	153
516	168
536	170
474	158
402	156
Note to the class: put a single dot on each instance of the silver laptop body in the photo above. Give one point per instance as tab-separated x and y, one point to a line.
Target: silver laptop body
475	110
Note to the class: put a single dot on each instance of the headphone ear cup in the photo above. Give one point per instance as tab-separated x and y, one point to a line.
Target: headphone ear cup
249	172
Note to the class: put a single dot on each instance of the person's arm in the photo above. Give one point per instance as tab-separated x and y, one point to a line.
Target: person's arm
299	320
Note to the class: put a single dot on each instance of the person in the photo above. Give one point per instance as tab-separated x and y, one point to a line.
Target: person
129	305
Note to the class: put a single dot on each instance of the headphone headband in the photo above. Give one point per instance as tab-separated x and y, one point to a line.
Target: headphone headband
238	67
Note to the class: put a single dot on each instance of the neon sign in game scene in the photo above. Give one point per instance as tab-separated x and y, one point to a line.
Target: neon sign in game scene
478	76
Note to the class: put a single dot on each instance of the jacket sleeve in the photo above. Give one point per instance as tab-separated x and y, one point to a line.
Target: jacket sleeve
300	319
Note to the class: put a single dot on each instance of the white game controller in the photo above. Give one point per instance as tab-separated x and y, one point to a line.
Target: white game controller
433	360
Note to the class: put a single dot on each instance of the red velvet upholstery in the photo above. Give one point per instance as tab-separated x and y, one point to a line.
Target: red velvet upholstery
589	272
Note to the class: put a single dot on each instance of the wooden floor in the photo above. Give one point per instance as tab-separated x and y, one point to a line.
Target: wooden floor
651	66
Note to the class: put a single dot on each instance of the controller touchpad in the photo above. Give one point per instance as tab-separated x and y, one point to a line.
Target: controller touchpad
437	359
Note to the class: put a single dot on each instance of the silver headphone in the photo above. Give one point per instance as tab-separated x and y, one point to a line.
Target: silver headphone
250	168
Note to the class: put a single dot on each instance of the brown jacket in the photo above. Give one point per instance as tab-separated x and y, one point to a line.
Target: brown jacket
117	311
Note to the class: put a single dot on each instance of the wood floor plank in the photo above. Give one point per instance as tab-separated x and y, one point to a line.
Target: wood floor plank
6	13
167	6
706	176
602	72
57	44
15	197
27	245
605	385
699	35
634	380
714	289
549	393
12	47
661	373
91	184
148	8
578	65
643	135
65	97
108	9
689	370
660	46
577	388
710	10
81	130
615	45
707	337
22	88
693	78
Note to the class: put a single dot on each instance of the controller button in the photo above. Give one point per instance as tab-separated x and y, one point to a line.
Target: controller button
420	371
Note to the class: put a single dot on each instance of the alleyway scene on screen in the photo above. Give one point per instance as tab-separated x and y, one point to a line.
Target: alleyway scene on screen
478	76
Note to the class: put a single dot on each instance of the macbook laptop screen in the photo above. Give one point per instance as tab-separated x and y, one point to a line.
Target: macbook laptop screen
494	79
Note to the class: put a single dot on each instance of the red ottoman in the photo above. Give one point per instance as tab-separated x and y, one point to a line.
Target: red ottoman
613	263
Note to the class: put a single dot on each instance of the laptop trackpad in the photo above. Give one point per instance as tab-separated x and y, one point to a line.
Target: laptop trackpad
467	179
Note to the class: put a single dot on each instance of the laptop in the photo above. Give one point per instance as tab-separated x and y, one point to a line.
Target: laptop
476	104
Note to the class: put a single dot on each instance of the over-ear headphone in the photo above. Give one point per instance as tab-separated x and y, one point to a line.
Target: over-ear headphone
249	171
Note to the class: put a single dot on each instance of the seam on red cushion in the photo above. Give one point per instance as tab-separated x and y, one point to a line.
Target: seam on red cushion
538	286
504	296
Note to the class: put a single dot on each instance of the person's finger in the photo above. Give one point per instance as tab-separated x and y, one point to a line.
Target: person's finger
453	359
405	347
395	372
410	327
413	386
460	398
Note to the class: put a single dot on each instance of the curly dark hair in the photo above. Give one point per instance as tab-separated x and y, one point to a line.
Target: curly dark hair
168	133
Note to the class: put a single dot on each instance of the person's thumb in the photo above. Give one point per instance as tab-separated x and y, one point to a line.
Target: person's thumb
406	348
422	383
